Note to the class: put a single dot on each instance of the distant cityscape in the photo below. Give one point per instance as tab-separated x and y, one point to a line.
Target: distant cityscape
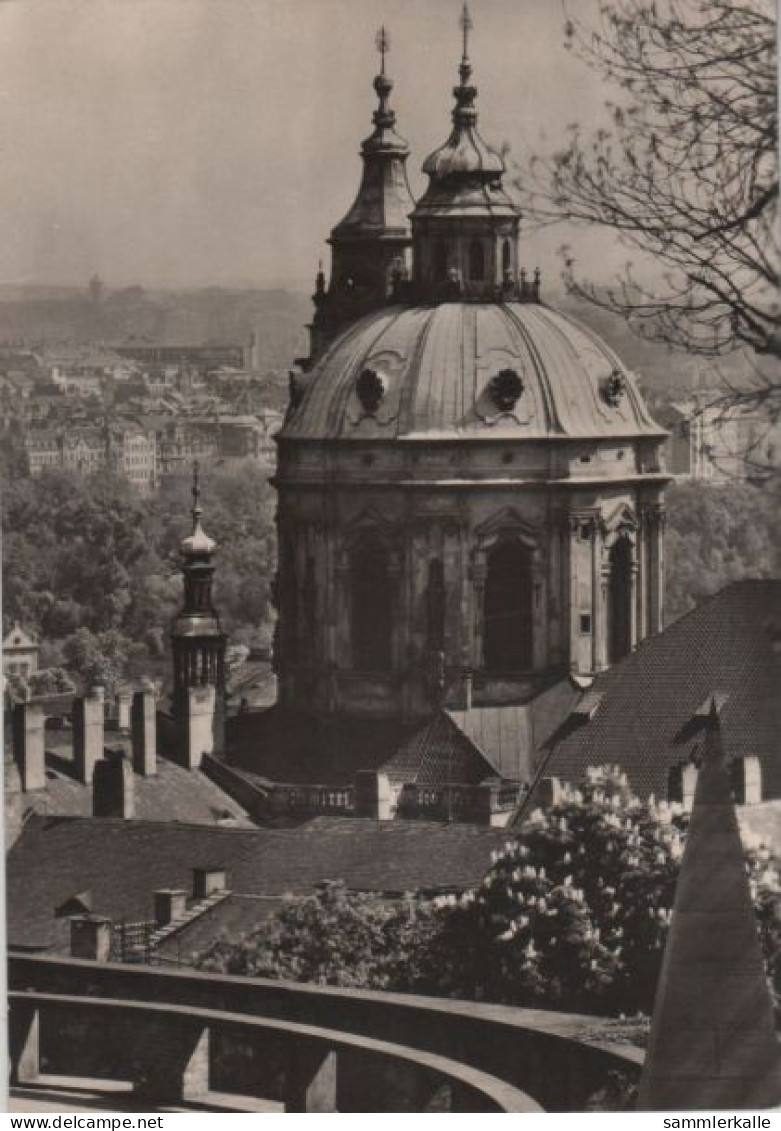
143	408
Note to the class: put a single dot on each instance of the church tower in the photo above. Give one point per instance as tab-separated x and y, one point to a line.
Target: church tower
370	245
470	484
197	639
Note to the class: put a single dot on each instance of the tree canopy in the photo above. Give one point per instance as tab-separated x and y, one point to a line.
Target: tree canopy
685	173
573	913
94	571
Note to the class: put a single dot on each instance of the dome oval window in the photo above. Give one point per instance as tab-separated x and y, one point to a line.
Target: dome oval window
370	389
505	389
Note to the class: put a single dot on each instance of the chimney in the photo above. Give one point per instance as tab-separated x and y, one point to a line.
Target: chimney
198	725
548	792
91	937
689	775
373	796
124	700
207	881
170	905
87	733
113	787
143	725
29	745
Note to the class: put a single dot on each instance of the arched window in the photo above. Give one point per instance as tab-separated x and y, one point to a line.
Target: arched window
507	257
619	611
476	261
435	602
372	611
440	261
309	598
508	609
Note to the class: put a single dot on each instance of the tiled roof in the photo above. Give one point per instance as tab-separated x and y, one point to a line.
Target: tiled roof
289	747
123	862
646	720
465	746
438	752
508	736
172	794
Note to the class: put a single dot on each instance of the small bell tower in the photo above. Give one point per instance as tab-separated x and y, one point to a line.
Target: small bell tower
197	639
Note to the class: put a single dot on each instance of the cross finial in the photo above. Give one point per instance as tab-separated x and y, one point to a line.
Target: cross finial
196	492
465	21
383	46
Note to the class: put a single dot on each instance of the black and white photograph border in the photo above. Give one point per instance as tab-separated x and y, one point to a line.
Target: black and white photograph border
390	455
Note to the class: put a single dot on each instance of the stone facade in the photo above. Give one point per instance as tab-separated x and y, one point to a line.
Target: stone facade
413	543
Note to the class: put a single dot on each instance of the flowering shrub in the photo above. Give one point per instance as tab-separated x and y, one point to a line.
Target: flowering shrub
573	913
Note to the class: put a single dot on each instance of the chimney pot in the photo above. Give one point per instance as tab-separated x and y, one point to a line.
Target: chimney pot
113	787
170	905
91	937
29	745
143	724
206	881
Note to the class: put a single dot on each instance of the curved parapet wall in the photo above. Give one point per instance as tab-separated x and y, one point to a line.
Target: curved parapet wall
539	1057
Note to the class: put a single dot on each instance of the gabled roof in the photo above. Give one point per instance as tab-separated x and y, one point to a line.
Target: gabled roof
18	637
124	862
655	703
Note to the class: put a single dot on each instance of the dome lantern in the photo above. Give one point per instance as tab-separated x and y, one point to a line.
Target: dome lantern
465	226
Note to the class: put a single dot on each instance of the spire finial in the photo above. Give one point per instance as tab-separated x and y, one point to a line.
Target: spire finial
196	493
383	118
383	46
465	22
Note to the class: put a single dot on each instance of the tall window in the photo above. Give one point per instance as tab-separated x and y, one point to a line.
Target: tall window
476	261
508	609
372	611
435	601
507	257
440	261
619	612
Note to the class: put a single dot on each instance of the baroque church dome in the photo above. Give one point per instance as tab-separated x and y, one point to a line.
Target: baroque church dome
419	562
466	370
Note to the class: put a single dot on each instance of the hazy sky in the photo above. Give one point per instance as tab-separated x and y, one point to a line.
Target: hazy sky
171	142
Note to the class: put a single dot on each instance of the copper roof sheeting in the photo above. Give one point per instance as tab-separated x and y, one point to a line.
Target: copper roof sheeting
436	364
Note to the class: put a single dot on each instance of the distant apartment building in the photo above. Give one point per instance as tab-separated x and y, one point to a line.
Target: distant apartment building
203	357
718	442
215	438
20	652
127	451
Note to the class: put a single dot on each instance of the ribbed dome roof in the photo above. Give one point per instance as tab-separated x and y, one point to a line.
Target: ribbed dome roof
446	372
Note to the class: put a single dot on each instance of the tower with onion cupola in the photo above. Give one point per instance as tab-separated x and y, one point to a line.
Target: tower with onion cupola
470	484
370	245
197	639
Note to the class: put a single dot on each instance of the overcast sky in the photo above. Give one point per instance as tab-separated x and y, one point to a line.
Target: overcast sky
186	142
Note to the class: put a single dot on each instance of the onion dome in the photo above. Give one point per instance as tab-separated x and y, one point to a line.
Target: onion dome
465	173
198	542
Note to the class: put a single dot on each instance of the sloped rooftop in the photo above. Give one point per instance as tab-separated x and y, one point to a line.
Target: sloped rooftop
121	863
727	650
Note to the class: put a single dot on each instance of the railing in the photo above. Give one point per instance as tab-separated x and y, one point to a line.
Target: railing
180	1036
